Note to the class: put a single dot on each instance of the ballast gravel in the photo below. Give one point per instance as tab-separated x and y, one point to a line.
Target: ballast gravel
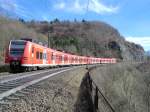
56	94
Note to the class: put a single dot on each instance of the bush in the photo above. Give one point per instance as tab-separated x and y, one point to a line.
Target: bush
4	68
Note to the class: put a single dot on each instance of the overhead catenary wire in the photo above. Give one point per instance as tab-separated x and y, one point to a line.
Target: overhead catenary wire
87	8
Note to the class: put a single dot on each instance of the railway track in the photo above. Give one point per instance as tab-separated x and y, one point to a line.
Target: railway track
12	85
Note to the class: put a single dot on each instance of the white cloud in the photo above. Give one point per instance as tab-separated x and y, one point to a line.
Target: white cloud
77	6
60	5
10	7
7	5
70	6
144	41
80	6
98	7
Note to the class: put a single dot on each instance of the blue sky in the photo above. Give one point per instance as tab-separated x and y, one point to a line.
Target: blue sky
130	17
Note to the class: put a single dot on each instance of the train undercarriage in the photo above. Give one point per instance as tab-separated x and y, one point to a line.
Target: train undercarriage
15	66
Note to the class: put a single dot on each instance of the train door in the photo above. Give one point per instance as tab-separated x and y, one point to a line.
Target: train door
53	58
44	56
68	60
63	60
32	56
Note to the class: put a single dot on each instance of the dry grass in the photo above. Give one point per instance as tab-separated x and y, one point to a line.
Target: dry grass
125	87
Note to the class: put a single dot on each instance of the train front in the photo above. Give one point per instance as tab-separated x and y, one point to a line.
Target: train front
15	53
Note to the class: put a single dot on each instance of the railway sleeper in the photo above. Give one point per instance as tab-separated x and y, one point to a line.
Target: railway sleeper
11	98
19	95
23	92
4	103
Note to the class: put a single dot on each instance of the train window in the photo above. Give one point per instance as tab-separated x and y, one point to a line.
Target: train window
37	55
65	58
16	52
44	56
52	57
16	44
76	59
41	55
72	59
32	49
60	58
17	47
56	57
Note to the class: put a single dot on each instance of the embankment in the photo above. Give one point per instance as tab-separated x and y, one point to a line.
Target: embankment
126	85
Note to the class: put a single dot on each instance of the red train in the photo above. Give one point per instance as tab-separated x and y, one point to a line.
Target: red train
28	55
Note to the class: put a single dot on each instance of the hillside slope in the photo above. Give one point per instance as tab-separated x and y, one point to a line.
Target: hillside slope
128	87
12	29
89	38
83	38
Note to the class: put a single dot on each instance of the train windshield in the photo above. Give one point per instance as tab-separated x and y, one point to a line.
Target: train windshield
17	47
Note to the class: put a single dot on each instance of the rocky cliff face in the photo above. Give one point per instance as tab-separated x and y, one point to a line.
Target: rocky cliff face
89	38
136	52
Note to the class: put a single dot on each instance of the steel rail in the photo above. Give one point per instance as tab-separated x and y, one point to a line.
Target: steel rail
22	75
31	82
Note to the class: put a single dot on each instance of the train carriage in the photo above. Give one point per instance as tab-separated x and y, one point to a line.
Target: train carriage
27	54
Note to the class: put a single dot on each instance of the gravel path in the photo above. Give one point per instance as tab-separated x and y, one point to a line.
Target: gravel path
57	94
